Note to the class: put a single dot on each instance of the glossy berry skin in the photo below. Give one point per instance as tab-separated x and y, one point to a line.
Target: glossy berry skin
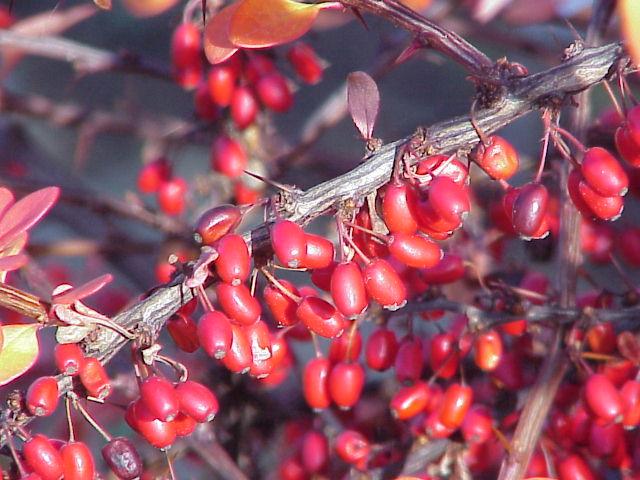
185	55
305	62
122	458
239	357
184	332
228	157
42	396
77	461
448	199
589	202
353	447
346	347
477	425
184	425
346	382
384	285
158	433
381	349
244	107
529	209
320	317
94	378
221	83
315	386
238	303
455	404
443	166
347	289
410	401
314	451
575	468
319	252
159	397
414	250
630	395
172	196
153	175
497	158
282	307
197	401
399	206
448	270
488	350
289	243
217	222
233	264
215	334
274	92
627	147
43	458
604	173
444	357
602	398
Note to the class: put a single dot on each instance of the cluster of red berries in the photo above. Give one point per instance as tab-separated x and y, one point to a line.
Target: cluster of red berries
171	191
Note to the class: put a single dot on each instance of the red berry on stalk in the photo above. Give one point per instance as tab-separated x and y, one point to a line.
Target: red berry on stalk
172	196
153	175
435	428
604	173
448	270
414	250
217	222
184	332
346	382
259	338
222	83
319	252
315	383
42	396
448	199
353	447
497	158
77	461
215	334
321	277
122	458
488	350
574	467
455	404
410	401
444	357
244	107
239	357
443	166
197	401
186	55
529	210
399	207
274	92
381	348
159	397
630	395
257	66
384	285
434	224
94	378
601	338
602	398
627	147
477	426
158	433
347	289
346	347
228	156
238	303
305	62
320	317
233	264
289	243
184	425
314	451
604	208
203	105
282	307
43	458
409	359
68	358
244	194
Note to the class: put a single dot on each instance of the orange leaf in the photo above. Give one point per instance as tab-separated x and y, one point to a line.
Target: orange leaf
148	8
261	23
19	351
416	5
629	21
217	46
103	4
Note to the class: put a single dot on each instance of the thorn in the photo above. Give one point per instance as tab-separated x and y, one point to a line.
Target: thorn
360	18
408	52
273	183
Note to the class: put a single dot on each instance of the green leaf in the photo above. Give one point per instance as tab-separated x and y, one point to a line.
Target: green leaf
19	351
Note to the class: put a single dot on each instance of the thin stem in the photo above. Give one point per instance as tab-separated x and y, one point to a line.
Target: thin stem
316	345
545	145
569	136
204	299
360	253
276	283
67	406
622	113
92	421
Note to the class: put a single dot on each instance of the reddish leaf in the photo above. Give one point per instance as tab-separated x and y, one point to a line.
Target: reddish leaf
25	213
217	46
89	288
364	102
103	4
19	351
6	200
629	20
148	8
13	262
260	23
416	5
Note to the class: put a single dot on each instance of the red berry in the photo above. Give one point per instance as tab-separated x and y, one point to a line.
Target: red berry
274	92
215	334
575	468
320	317
314	451
172	196
153	175
488	350
477	426
184	425
94	378
197	401
257	66
367	243
233	264
43	458
627	147
305	62
347	289
604	173
238	303
159	397
204	107
444	357
42	396
186	55
399	207
529	210
228	157
384	285
244	194
346	347
77	461
409	359
455	404
282	307
602	338
346	382
497	158
217	222
239	357
319	252
289	243
353	448
244	107
321	277
68	358
630	395
184	332
222	83
435	428
122	458
410	401
380	352
414	250
448	270
443	166
602	398
259	338
448	199
158	433
315	386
